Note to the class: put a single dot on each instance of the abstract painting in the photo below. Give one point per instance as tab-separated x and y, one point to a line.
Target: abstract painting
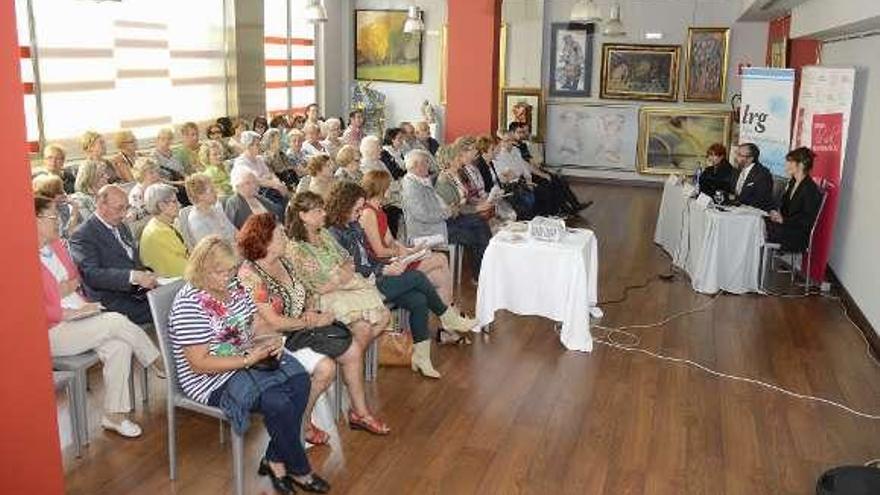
594	136
675	140
523	105
571	59
705	75
382	51
639	72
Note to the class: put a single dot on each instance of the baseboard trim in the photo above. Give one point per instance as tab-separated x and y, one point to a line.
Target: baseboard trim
580	179
855	314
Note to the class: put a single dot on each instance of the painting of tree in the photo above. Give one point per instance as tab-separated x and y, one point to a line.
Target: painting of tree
383	52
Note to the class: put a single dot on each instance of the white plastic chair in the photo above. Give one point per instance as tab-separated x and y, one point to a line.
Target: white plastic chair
161	300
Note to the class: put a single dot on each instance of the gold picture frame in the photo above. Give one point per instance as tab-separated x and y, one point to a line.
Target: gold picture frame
639	72
705	69
674	140
523	105
779	53
444	60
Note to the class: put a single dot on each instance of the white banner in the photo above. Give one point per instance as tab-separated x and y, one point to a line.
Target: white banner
765	117
824	90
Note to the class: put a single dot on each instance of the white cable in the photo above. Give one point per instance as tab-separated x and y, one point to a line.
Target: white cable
636	340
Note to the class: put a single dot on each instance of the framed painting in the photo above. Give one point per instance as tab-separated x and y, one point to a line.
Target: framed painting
523	105
705	74
571	59
602	137
779	53
640	72
382	51
674	140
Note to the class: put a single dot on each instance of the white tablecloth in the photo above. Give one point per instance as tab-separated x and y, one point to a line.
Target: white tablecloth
719	250
554	280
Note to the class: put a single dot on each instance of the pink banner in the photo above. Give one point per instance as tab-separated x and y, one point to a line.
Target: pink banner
827	143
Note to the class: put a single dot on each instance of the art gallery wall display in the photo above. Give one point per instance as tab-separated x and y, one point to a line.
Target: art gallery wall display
571	59
382	51
675	139
779	53
640	72
705	75
523	105
594	136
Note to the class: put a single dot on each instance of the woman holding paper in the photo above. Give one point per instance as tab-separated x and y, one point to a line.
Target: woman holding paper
382	245
77	326
407	289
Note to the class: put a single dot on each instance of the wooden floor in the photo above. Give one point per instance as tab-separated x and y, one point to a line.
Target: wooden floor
516	413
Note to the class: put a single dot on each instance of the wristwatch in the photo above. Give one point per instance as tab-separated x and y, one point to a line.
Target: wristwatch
245	357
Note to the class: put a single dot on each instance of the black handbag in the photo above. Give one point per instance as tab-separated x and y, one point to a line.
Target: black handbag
332	340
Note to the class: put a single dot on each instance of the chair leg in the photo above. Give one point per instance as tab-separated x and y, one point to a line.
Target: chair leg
172	440
131	393
791	264
337	397
145	384
238	461
73	407
807	274
80	391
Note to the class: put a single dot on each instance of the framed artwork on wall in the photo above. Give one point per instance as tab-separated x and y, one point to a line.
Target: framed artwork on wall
705	74
571	59
639	72
779	53
674	140
602	137
523	105
382	51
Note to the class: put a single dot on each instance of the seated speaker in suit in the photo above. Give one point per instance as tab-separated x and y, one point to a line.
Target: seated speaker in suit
108	260
752	182
791	224
718	175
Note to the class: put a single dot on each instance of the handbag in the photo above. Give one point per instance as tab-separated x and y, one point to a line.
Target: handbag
395	348
332	340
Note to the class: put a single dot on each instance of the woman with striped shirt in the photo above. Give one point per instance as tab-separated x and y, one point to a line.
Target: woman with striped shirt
212	327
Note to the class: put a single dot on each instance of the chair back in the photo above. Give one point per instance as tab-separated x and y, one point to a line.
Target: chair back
779	185
183	225
824	187
161	299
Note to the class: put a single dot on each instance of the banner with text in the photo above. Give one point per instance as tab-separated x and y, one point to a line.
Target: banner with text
822	124
765	114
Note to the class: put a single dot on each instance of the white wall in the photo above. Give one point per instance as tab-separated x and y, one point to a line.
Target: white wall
525	27
820	18
857	232
404	100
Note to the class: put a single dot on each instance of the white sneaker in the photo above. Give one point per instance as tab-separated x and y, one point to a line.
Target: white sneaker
126	428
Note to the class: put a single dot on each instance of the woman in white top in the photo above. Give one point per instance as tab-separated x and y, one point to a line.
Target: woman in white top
206	216
333	140
312	145
77	326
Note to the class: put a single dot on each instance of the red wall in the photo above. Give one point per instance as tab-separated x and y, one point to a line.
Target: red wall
30	459
472	67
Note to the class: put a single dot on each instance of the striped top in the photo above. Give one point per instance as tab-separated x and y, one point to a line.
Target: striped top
198	318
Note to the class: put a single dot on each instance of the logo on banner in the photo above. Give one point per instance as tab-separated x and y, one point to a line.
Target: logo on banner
765	119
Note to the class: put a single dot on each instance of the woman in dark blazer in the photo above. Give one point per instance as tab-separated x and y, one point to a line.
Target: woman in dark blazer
790	226
718	175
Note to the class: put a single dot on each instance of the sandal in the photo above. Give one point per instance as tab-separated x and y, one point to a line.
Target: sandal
316	436
367	423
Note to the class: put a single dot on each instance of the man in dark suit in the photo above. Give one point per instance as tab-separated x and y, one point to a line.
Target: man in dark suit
108	260
752	183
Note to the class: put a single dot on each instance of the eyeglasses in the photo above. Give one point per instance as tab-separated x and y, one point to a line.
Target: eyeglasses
48	217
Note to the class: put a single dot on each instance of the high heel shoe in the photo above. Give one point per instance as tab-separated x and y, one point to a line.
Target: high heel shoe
282	485
367	423
421	360
316	484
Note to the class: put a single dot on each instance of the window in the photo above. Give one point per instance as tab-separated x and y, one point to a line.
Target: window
105	66
289	48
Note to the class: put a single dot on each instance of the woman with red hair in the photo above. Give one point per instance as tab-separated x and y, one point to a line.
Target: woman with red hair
285	306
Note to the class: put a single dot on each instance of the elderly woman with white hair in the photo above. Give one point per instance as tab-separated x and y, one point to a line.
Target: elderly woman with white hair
246	202
270	186
162	248
333	137
312	145
206	216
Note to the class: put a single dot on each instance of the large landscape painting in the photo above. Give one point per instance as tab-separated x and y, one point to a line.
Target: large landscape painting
383	52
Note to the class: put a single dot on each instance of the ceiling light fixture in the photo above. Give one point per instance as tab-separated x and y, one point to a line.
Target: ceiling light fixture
315	12
414	23
614	27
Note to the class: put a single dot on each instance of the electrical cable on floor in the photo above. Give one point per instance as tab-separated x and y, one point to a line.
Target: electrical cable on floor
633	347
625	294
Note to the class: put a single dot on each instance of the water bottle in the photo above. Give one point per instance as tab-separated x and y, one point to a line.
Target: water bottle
697	173
719	197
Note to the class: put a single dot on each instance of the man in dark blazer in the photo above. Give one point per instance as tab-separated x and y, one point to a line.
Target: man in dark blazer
752	183
108	260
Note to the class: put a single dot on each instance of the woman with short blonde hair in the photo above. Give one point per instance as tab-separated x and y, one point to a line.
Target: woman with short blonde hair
348	163
211	155
321	175
124	160
90	178
206	216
